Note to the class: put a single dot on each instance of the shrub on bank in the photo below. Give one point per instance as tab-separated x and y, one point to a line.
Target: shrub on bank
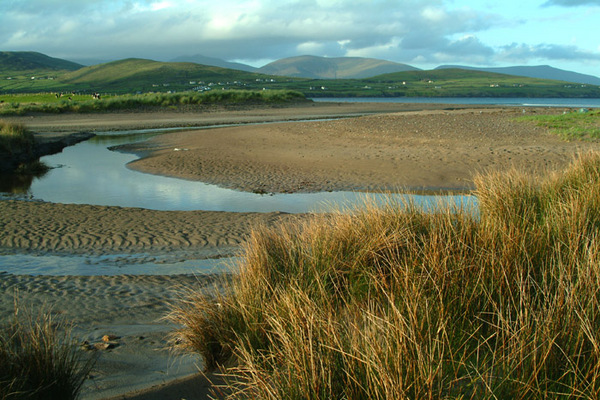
15	138
392	302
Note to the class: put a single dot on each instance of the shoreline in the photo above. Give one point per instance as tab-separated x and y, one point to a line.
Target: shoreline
374	146
44	145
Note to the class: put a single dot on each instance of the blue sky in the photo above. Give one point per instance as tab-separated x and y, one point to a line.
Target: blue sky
422	33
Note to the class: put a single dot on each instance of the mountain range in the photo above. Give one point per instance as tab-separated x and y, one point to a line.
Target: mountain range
314	67
311	67
332	68
30	72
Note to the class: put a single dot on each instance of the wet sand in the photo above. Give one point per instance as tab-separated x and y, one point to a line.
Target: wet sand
129	308
124	120
381	147
40	227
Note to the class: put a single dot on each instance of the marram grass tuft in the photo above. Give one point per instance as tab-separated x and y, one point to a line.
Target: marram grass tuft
392	302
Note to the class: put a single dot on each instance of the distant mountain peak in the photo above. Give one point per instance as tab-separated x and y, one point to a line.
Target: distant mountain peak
215	62
316	67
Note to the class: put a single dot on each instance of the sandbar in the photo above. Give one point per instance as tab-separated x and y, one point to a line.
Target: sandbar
427	150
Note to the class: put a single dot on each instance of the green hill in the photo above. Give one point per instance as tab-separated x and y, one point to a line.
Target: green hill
141	70
142	75
27	71
470	75
21	61
135	75
537	71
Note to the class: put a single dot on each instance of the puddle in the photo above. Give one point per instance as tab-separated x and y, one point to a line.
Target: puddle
114	264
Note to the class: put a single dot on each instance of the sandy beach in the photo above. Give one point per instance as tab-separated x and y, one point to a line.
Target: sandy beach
53	123
373	147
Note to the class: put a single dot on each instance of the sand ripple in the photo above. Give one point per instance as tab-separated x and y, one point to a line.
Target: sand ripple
92	300
38	226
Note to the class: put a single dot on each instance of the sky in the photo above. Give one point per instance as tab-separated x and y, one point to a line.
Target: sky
421	33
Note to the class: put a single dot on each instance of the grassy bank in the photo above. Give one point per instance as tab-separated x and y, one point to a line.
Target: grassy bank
391	302
49	103
573	125
17	146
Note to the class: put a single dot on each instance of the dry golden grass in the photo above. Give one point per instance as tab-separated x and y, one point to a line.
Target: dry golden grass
392	302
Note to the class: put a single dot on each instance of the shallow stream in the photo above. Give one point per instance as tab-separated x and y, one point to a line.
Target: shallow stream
90	173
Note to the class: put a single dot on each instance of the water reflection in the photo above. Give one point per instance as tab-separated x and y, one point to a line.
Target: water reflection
19	182
15	183
89	173
109	139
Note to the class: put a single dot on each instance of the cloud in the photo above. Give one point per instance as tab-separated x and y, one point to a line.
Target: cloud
469	47
243	29
522	52
571	3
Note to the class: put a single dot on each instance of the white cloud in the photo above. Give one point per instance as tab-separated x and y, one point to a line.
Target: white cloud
435	15
234	29
160	5
523	52
311	48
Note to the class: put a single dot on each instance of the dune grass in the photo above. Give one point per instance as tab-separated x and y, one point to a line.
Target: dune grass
39	360
391	302
17	141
